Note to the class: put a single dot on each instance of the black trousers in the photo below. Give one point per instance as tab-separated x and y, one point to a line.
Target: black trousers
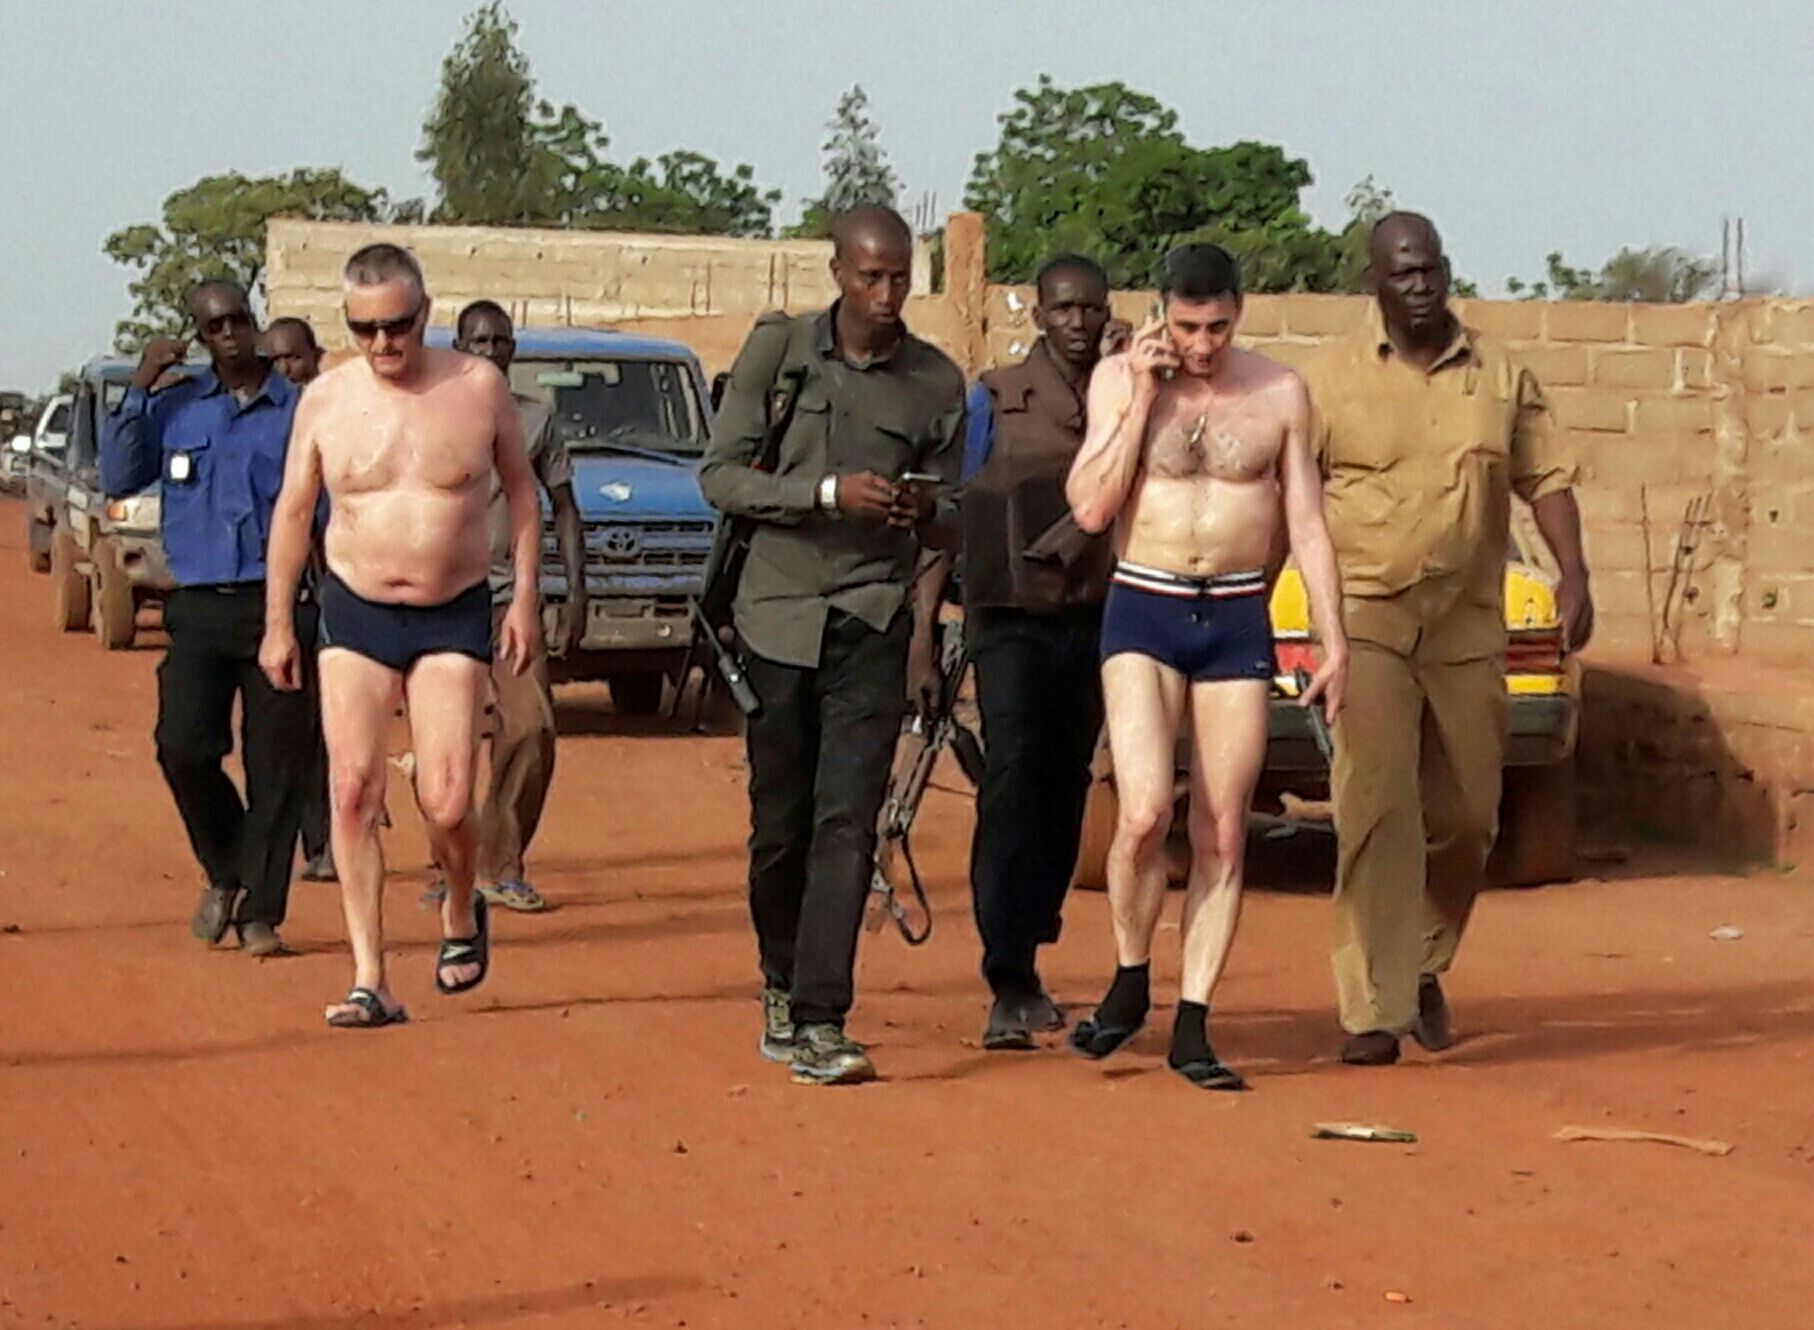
316	806
1039	687
213	659
820	752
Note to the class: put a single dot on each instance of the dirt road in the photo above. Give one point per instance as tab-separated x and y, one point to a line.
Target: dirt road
591	1139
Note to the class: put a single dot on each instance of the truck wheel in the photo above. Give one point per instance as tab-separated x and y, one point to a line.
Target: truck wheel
636	694
68	585
1100	811
1536	826
115	614
37	545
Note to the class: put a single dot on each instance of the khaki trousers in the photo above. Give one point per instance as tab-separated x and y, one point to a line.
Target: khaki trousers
522	764
1419	749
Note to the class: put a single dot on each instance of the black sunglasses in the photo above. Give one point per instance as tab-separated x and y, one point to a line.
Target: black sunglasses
217	325
366	329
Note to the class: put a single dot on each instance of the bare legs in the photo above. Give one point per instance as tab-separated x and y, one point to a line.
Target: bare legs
358	696
1145	703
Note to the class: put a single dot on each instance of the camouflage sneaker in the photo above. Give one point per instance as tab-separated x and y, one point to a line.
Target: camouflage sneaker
825	1055
777	1026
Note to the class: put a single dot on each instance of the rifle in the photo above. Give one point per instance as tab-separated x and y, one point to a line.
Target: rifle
927	736
710	646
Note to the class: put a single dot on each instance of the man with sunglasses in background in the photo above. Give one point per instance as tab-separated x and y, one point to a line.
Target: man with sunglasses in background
215	441
406	441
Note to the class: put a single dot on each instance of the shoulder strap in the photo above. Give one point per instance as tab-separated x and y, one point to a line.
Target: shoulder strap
785	382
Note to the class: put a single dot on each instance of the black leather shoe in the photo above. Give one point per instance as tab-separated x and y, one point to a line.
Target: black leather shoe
1040	1013
1007	1027
213	913
1432	1028
259	939
1375	1048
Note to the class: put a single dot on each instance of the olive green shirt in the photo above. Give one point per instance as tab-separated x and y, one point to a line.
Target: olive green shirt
1419	467
902	411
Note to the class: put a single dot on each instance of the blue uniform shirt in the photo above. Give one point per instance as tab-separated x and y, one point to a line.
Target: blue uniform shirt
979	430
219	464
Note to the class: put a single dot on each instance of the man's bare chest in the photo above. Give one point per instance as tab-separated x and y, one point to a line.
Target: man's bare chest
1189	439
423	444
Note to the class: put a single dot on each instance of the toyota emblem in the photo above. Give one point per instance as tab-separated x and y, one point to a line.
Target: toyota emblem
621	542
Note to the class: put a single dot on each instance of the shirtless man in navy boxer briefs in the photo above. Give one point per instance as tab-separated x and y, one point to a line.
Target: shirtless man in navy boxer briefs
1190	447
406	440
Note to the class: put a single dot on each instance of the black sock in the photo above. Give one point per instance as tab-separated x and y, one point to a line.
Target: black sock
1125	1004
1190	1035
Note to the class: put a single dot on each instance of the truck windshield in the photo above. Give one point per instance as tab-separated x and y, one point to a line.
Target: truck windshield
601	404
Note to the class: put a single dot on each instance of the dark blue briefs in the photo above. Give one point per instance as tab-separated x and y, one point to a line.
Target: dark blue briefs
398	636
1206	628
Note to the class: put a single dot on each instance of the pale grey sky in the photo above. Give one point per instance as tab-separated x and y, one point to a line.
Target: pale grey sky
1521	127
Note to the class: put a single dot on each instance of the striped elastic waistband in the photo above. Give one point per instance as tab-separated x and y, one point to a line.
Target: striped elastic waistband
1218	586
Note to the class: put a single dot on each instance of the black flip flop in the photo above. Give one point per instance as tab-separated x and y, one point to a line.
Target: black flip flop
1209	1074
1094	1040
377	1016
474	950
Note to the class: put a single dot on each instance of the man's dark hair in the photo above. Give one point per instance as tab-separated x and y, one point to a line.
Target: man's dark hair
1200	272
868	221
1077	263
477	308
291	321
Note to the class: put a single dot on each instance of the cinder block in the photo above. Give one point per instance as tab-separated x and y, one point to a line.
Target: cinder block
1590	409
1555	366
1777	549
1694	369
1672	325
1323	316
1769	369
1619	593
1263	316
1508	320
1648	367
1692	415
1585	321
1785	323
1769	641
1625	461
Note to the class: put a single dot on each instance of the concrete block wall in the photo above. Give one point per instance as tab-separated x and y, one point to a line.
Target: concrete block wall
1665	404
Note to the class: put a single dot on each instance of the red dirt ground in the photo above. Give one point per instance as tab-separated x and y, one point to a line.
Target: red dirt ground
591	1138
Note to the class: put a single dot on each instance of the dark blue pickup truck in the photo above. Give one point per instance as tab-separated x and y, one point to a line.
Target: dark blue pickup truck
634	413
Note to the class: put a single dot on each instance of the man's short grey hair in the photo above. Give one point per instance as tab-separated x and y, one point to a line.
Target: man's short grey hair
374	265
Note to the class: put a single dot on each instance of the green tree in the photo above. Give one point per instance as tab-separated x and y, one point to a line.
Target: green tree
216	228
490	153
679	193
1104	169
856	168
1663	275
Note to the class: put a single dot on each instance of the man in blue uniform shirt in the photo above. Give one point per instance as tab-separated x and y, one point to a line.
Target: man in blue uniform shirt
214	442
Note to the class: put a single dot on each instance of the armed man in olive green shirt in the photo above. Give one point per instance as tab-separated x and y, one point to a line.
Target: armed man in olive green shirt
822	611
1427	427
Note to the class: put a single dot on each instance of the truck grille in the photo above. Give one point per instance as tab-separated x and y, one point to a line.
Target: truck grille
615	550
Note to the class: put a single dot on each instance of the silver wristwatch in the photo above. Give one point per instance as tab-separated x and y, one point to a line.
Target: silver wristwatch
828	494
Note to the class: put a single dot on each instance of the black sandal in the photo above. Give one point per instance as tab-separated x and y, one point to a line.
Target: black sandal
474	950
1095	1040
1209	1074
376	1017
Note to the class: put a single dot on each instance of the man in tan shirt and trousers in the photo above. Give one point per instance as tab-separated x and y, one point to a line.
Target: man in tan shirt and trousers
1427	427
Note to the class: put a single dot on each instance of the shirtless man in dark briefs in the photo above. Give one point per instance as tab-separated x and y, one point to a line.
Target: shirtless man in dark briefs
1191	445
